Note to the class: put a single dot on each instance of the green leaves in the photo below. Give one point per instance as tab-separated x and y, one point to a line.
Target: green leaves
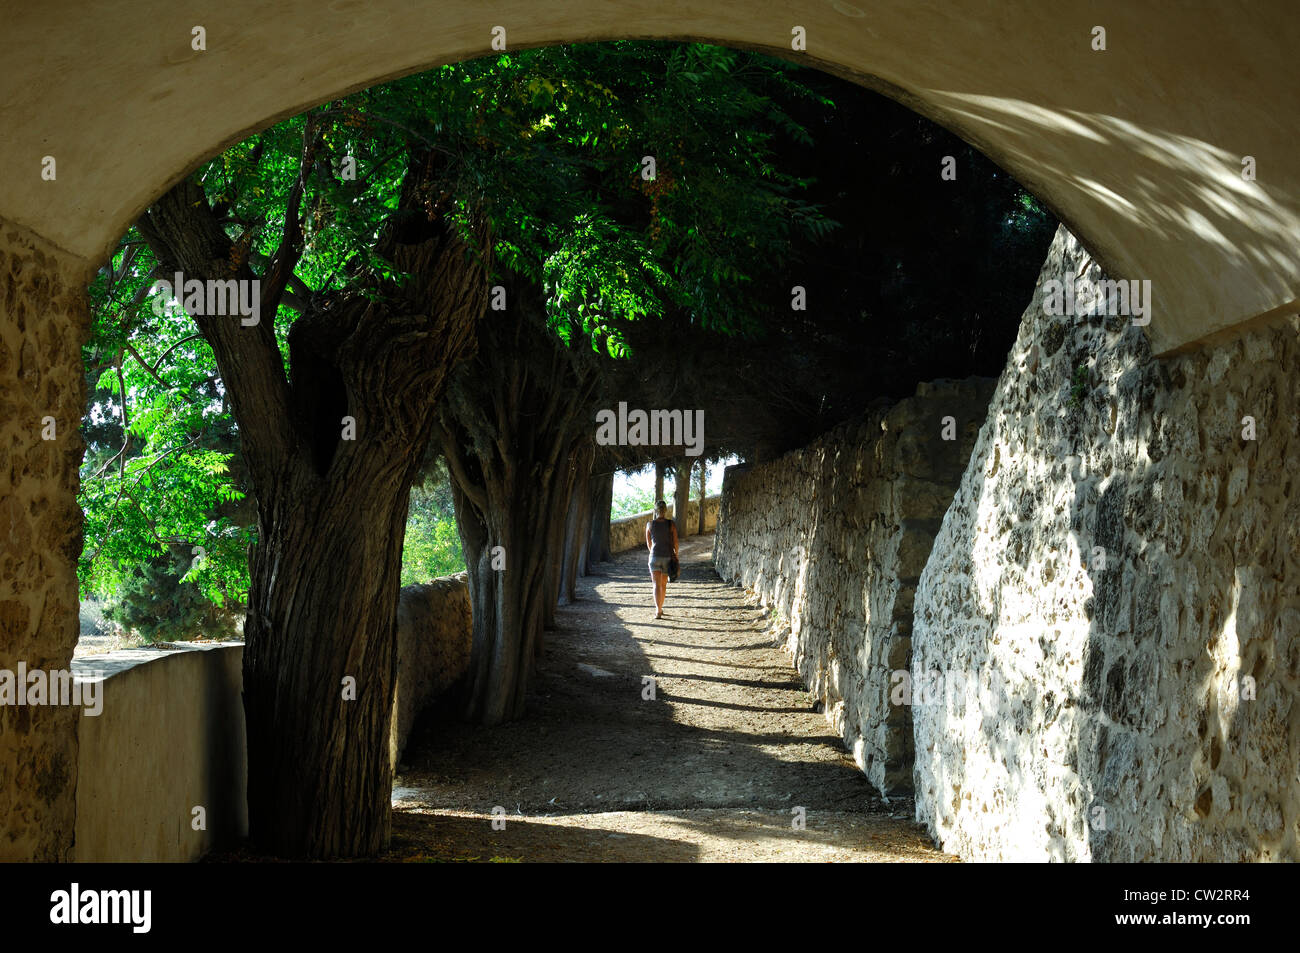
545	145
548	145
161	485
432	546
598	271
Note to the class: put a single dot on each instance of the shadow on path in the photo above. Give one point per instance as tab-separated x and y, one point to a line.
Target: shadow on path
713	767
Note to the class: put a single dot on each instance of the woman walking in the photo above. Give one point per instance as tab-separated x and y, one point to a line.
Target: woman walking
661	540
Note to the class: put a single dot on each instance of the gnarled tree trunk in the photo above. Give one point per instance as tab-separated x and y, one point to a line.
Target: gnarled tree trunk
576	528
704	485
513	418
332	495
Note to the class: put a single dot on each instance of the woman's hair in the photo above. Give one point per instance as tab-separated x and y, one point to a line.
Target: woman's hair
661	508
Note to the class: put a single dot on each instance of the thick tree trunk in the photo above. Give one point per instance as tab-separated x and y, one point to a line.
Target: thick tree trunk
556	537
704	485
576	523
509	427
602	502
682	496
319	662
509	549
583	532
659	481
320	647
506	570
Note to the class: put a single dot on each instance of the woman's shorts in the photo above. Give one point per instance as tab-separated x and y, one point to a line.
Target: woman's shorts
660	564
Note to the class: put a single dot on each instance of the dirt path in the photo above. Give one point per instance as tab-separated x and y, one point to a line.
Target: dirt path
712	768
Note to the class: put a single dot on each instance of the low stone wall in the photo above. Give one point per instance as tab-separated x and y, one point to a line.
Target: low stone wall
434	632
834	536
169	738
1118	579
629	532
170	735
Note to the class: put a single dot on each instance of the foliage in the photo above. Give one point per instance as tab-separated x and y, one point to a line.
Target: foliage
157	473
154	602
432	547
631	500
547	145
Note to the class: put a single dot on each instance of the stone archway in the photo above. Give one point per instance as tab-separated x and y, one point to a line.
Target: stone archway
1139	148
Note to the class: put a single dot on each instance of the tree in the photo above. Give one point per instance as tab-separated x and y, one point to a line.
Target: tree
432	545
704	479
513	421
677	233
167	522
577	525
155	602
602	502
332	450
682	494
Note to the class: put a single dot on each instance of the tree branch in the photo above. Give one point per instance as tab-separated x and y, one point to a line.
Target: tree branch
290	251
183	233
158	363
451	451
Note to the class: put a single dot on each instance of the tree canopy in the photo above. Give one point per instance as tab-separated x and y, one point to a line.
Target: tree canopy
754	162
476	257
549	145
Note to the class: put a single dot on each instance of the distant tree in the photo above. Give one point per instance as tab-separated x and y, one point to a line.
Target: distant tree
162	486
632	500
432	547
156	604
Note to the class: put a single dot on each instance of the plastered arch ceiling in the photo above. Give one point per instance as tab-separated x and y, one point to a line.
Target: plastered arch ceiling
1138	148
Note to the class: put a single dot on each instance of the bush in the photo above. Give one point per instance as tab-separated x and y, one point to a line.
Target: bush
631	500
155	604
432	544
432	549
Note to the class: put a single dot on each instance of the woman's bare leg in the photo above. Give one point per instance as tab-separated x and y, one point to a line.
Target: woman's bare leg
661	587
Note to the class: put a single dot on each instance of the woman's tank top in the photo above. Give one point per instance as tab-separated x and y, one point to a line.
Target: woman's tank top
661	538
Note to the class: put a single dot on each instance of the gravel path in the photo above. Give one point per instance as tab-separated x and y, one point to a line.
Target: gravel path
716	767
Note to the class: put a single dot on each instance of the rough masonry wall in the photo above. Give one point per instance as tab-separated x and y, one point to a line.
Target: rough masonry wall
834	536
1127	566
43	321
434	633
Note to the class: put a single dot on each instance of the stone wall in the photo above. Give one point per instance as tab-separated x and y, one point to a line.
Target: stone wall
834	536
629	532
1118	578
43	320
169	738
434	633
